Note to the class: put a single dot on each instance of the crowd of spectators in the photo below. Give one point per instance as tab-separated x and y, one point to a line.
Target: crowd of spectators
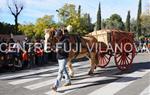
143	45
17	55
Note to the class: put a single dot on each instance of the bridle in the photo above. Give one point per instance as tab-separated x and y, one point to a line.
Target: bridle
52	40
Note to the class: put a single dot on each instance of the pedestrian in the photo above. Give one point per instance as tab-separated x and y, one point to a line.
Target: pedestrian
38	52
17	54
25	54
31	55
62	56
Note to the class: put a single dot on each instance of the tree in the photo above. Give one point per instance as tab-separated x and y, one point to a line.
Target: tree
6	28
139	18
145	23
98	22
85	25
115	22
128	22
37	30
28	30
79	11
89	24
43	23
103	24
80	22
147	8
67	12
133	25
15	10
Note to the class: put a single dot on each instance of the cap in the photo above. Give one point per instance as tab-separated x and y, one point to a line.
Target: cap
58	33
69	28
46	30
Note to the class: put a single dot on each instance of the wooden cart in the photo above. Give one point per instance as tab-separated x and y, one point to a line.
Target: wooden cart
115	43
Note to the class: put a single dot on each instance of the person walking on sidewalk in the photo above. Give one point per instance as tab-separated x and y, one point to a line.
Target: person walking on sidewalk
62	55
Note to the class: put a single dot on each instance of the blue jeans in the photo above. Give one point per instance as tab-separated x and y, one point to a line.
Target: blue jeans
62	70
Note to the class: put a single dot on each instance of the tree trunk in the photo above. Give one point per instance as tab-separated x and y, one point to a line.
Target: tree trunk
16	24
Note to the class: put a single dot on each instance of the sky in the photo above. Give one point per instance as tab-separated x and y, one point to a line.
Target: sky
34	9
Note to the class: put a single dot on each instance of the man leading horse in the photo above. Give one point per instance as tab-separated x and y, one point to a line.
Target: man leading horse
78	48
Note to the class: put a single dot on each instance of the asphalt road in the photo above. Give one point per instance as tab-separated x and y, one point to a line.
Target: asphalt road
105	81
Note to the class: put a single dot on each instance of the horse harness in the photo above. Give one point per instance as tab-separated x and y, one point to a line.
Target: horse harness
76	41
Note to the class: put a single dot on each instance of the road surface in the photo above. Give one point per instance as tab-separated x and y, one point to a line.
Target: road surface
105	81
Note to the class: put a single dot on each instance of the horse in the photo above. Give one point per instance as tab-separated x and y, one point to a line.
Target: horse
83	41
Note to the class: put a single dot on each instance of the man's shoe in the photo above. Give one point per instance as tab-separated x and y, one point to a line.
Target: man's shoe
67	84
54	88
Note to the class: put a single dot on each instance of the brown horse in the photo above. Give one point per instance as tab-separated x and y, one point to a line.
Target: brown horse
79	48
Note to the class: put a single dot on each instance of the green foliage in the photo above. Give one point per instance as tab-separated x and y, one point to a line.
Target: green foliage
133	25
139	18
90	27
37	30
6	28
79	11
41	24
98	22
28	30
103	24
85	24
114	22
66	13
145	23
81	23
128	22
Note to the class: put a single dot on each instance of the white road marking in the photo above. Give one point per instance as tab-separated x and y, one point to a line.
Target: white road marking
146	91
21	81
82	83
52	74
28	73
32	72
76	75
116	86
47	75
79	84
40	84
45	83
55	73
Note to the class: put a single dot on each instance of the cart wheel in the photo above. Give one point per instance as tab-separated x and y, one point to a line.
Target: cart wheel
124	58
103	56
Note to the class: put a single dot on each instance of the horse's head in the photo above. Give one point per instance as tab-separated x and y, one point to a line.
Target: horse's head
49	34
50	39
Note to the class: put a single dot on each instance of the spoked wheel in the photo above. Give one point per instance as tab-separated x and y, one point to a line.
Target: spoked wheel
103	56
124	56
104	59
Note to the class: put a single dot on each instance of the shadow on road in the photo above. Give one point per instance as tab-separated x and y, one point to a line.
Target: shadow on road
135	67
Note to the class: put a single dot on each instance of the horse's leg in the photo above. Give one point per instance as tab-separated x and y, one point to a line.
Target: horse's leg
71	72
92	60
